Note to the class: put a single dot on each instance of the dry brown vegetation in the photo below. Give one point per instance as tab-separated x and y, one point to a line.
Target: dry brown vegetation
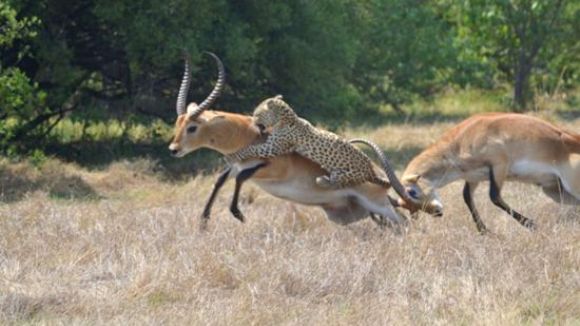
121	246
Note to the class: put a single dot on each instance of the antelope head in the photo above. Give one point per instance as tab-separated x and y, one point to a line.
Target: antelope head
420	195
191	126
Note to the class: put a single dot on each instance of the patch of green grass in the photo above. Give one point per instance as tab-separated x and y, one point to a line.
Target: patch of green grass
463	103
451	105
70	131
454	105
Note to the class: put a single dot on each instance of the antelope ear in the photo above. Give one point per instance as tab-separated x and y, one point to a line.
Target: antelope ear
191	107
412	178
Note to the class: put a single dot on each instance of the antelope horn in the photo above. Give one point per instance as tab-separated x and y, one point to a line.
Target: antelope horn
387	167
215	93
184	87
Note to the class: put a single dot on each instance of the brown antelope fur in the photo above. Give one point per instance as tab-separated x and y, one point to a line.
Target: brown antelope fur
290	177
498	147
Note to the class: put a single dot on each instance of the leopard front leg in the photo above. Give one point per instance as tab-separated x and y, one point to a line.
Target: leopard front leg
252	151
271	148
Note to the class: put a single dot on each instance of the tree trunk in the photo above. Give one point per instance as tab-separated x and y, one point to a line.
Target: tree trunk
520	101
397	108
522	82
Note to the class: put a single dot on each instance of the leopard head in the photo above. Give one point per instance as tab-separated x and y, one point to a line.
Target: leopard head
273	111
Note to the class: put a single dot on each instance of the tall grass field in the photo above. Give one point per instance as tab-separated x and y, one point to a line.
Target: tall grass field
120	244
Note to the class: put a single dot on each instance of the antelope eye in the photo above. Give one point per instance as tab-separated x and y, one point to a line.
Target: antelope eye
191	129
413	193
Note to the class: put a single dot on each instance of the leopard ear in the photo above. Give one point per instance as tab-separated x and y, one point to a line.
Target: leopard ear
274	102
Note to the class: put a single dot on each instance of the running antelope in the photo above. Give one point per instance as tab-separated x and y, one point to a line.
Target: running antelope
497	147
290	176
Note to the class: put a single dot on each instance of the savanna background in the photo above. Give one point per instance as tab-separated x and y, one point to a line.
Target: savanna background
99	225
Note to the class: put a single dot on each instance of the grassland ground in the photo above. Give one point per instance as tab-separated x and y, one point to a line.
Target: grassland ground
121	245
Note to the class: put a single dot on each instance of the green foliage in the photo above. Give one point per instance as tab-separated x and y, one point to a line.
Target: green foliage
19	97
407	50
16	93
523	39
37	158
12	28
333	60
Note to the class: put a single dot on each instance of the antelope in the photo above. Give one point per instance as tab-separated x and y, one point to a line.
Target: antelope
291	177
498	147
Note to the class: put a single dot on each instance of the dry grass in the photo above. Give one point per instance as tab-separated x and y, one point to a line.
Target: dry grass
130	253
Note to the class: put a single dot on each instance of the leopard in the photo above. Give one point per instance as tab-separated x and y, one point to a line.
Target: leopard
345	164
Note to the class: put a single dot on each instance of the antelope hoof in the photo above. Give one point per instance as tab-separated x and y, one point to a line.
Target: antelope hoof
237	214
530	225
203	225
482	229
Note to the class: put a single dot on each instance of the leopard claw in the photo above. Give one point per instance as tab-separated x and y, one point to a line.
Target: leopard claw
325	182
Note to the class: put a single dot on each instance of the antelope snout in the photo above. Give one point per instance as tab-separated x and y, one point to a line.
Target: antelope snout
437	213
436	208
174	149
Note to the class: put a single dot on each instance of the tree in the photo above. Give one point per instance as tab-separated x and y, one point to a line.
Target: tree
405	50
518	36
19	97
121	59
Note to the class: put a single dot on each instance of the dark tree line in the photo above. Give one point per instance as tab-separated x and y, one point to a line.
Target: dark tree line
97	60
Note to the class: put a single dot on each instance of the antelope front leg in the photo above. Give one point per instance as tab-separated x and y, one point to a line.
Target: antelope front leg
216	187
223	177
468	190
495	184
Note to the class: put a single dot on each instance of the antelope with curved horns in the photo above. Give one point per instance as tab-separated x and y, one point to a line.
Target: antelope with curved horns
497	147
290	177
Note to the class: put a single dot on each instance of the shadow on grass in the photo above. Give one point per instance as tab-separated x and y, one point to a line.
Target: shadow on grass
100	154
17	183
567	115
14	186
